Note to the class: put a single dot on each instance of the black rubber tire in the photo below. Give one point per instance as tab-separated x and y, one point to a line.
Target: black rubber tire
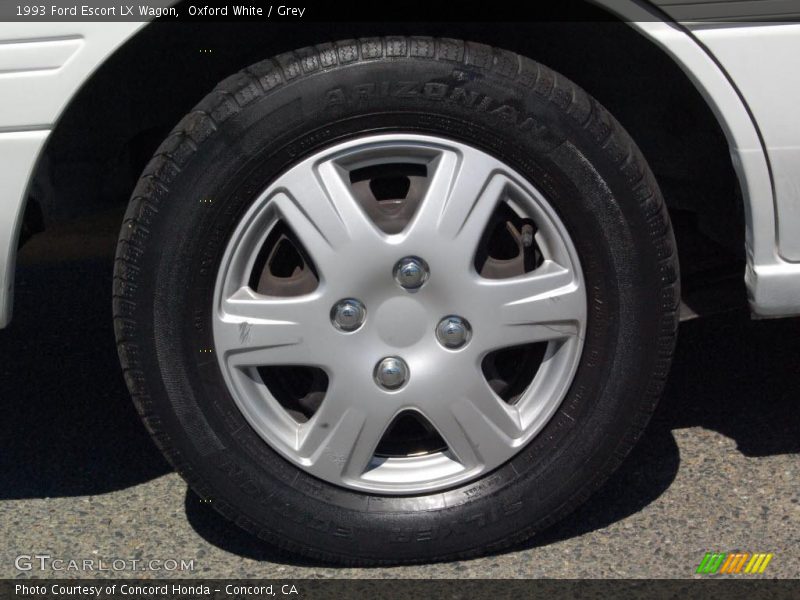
263	119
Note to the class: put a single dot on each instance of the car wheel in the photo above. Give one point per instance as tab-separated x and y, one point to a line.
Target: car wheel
396	300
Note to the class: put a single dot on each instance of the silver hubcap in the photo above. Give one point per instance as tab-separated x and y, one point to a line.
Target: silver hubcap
497	259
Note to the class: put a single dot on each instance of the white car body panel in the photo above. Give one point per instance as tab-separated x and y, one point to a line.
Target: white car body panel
749	76
42	65
18	153
773	280
767	74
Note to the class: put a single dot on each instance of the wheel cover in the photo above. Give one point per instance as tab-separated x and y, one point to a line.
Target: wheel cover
355	259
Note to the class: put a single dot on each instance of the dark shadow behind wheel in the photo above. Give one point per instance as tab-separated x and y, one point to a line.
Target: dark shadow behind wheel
261	121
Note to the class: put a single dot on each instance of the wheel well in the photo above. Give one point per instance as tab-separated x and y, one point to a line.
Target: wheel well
115	122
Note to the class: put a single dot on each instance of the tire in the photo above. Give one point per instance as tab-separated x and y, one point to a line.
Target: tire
260	123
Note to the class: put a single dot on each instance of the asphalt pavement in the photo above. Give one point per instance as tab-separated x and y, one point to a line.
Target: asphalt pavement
717	469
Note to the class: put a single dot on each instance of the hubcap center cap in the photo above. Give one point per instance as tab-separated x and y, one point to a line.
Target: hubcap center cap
401	322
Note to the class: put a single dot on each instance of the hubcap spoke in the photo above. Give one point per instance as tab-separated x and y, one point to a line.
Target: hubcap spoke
253	330
464	192
546	304
478	427
321	210
340	440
